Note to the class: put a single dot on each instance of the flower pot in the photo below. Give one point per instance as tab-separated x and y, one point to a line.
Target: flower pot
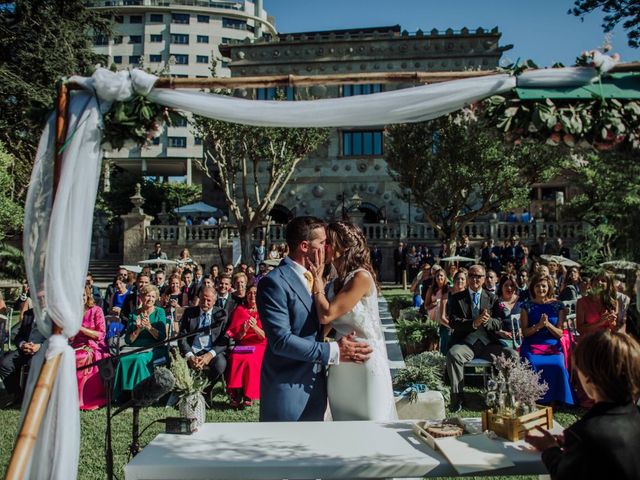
194	406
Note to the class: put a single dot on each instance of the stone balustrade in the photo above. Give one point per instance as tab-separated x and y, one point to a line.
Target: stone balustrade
380	233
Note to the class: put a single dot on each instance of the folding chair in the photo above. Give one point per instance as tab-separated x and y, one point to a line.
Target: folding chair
485	366
516	331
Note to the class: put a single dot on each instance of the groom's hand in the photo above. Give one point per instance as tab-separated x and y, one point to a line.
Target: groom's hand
352	351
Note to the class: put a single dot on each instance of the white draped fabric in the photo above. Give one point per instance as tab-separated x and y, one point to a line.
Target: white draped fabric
58	234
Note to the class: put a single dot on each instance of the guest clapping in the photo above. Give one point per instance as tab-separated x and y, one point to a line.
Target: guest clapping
145	328
245	360
598	309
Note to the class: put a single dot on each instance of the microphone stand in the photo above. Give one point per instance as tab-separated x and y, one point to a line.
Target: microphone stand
106	367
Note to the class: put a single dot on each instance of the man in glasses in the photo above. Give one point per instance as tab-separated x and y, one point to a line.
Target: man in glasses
475	320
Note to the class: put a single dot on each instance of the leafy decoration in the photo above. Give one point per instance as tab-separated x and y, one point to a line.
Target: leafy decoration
188	382
599	123
427	368
137	120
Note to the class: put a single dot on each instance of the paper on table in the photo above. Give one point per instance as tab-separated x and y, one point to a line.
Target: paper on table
473	453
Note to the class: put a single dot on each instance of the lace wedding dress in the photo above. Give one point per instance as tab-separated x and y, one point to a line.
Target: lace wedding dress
362	391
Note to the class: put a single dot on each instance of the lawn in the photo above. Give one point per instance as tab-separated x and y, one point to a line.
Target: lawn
93	424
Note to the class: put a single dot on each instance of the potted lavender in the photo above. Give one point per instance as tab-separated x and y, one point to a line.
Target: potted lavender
511	396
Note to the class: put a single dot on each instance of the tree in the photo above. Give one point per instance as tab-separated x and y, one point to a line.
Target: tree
610	203
458	168
11	213
625	11
40	42
235	156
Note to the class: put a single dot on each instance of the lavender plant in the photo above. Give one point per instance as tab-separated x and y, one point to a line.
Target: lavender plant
515	387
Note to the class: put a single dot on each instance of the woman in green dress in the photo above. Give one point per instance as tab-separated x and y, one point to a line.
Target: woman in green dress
146	327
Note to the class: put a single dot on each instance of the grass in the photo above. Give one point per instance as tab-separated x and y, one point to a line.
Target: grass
91	465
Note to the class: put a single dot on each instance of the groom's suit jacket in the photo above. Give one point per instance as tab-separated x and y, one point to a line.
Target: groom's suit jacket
293	382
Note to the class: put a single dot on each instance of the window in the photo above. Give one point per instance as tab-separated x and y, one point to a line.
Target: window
181	59
181	75
203	38
155	58
230	41
117	59
270	93
155	141
197	141
234	23
351	90
178	142
180	122
202	59
156	18
361	143
101	40
134	59
180	38
135	19
180	18
118	19
156	37
203	18
117	40
224	64
134	39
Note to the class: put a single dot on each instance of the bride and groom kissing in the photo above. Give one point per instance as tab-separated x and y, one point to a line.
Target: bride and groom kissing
296	311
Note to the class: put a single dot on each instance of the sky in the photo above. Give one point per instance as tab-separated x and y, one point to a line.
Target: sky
540	30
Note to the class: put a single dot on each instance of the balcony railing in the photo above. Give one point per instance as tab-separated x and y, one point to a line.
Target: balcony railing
374	232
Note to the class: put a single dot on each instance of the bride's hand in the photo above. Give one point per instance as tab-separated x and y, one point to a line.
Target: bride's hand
316	266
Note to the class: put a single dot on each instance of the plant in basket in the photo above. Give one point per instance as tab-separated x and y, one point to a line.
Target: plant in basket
416	333
511	396
426	368
190	387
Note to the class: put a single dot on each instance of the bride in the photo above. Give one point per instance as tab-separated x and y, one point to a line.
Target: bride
357	391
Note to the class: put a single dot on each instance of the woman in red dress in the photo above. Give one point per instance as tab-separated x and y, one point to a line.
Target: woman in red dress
89	346
245	361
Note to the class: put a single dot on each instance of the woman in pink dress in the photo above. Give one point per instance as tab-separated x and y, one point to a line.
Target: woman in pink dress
245	361
598	309
89	346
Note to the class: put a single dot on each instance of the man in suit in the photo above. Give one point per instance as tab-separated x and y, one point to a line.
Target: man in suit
225	299
205	351
28	340
475	319
376	261
157	252
293	380
259	253
399	262
465	249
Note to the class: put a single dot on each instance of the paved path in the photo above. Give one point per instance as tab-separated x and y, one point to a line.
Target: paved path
396	360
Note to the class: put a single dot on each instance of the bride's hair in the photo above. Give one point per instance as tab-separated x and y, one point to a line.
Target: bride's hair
348	239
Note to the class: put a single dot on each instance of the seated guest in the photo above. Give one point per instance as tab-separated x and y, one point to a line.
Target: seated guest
598	309
605	442
475	320
172	299
245	360
206	351
95	291
134	300
111	288
509	303
28	341
89	346
189	287
146	327
120	294
225	298
570	289
542	321
239	282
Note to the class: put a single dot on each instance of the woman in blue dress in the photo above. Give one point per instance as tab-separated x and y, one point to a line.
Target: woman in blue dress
542	319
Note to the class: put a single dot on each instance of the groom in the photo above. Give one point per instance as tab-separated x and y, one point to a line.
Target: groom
293	381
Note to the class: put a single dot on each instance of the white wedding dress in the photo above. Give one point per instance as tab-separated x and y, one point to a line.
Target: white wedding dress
362	391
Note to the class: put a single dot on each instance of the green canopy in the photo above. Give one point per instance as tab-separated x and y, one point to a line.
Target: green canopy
625	86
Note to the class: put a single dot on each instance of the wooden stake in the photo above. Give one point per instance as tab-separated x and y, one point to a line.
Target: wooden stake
30	427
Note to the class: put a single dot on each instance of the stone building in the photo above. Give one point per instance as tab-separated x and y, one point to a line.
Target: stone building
349	173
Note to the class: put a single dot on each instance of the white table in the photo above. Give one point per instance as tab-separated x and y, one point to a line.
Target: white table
305	450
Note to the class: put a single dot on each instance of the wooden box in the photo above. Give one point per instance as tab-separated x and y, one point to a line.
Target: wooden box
515	428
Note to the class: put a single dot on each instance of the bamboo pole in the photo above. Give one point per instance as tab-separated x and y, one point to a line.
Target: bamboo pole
30	427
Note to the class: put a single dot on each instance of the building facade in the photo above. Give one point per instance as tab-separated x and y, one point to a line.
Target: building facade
349	173
182	37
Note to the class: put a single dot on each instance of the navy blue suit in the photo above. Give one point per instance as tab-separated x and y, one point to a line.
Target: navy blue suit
293	380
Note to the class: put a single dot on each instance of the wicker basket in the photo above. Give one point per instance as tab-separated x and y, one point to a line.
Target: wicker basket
515	428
